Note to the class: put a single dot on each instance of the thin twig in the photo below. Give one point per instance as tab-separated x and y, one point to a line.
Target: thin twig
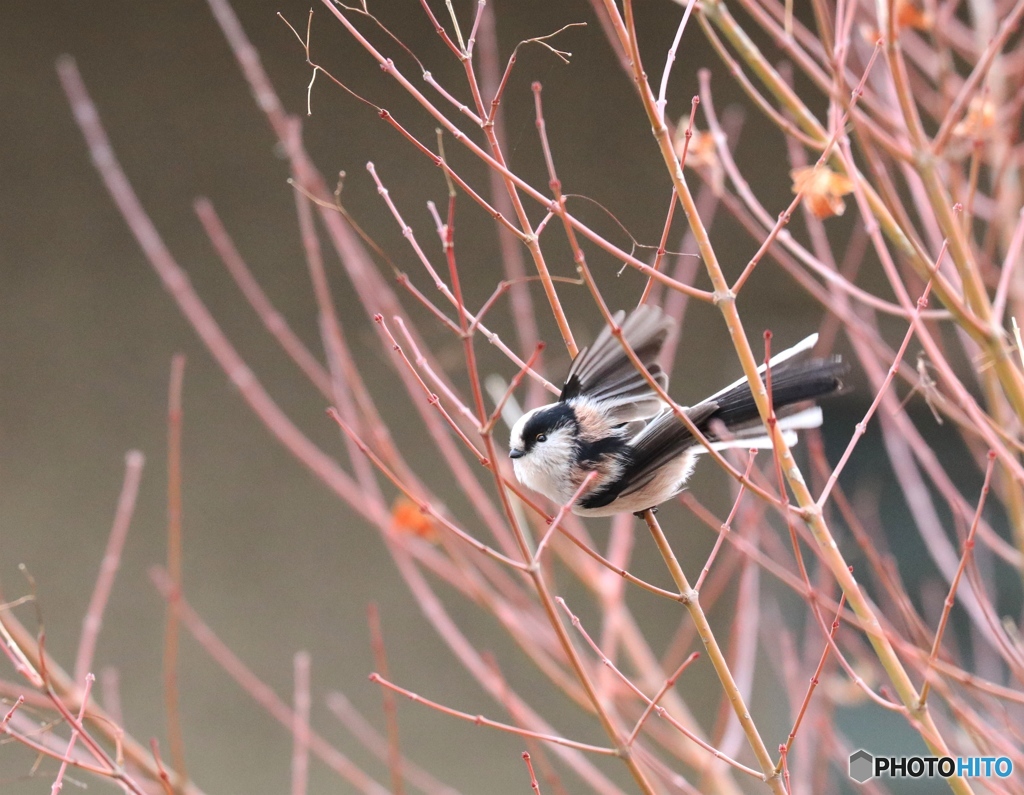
58	782
380	657
300	726
947	605
93	620
172	699
786	747
480	720
533	776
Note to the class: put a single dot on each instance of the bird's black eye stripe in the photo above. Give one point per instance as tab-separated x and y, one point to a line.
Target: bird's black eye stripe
545	421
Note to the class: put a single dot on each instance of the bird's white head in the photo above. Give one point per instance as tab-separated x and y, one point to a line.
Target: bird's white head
543	449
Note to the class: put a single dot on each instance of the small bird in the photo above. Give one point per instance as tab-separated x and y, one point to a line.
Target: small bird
609	420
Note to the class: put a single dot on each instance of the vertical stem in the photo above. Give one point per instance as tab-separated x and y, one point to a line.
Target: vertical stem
732	691
171	705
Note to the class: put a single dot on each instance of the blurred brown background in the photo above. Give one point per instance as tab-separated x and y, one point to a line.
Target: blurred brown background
272	561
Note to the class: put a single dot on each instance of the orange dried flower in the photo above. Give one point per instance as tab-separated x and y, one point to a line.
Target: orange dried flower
911	15
906	14
408	519
700	154
870	34
980	118
822	190
701	151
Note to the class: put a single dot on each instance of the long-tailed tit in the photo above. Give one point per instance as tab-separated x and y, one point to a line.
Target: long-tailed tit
609	420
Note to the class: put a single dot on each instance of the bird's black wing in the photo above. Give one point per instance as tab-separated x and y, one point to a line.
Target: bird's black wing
666	437
605	373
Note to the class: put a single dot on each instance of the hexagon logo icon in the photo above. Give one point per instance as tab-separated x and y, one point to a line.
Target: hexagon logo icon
862	766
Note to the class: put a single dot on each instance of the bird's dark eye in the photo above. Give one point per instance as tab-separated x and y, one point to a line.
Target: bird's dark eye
541	437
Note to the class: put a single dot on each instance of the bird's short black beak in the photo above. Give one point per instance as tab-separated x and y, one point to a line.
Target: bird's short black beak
514	453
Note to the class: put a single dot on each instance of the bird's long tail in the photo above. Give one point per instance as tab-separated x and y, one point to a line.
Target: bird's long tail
795	380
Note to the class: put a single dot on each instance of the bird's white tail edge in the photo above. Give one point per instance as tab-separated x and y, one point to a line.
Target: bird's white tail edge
801	421
805	344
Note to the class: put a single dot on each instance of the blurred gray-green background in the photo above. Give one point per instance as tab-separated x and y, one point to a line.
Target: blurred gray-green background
272	561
